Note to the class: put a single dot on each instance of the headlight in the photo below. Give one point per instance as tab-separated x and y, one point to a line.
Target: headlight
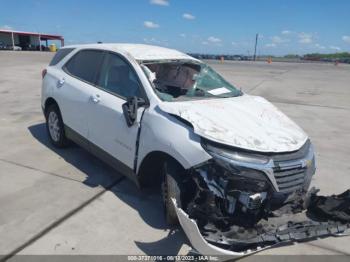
236	156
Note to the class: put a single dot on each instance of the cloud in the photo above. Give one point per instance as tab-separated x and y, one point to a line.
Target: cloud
150	24
234	43
278	40
346	39
305	38
205	43
160	2
150	40
286	32
6	27
213	39
182	35
188	16
320	46
336	48
270	45
156	41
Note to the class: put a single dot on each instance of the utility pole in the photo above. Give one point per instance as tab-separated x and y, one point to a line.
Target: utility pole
13	41
39	38
256	43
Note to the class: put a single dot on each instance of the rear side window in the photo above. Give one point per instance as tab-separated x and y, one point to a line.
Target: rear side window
62	53
85	65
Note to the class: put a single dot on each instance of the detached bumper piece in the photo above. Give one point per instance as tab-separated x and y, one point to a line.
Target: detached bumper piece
322	216
335	207
291	232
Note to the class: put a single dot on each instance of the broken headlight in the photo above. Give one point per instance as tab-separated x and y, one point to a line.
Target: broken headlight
237	156
240	170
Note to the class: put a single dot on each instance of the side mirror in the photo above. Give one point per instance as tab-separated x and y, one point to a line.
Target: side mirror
130	109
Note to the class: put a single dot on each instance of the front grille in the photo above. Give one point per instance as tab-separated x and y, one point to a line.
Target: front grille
289	172
290	179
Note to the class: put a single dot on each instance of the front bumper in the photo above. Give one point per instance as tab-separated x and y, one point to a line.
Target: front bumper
285	234
198	242
233	208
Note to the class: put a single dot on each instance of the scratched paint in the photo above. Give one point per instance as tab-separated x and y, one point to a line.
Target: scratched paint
247	122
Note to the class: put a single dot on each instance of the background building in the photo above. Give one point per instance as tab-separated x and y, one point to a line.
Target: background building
17	40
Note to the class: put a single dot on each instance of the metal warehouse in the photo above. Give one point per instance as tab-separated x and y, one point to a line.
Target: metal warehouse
17	40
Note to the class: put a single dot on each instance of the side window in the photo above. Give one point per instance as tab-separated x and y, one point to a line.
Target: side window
117	77
85	65
62	53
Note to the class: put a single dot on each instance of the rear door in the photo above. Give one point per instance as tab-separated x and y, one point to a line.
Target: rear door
75	86
107	126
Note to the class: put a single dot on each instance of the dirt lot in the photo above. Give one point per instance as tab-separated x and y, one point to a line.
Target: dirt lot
68	202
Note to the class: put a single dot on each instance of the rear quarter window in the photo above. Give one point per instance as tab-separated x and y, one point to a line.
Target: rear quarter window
85	65
62	53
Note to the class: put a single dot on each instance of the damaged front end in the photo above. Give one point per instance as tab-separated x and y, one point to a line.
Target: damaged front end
241	202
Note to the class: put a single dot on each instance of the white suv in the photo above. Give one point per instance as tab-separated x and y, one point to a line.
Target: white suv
225	158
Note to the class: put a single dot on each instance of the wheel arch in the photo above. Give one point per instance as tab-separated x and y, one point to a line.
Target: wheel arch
150	170
48	102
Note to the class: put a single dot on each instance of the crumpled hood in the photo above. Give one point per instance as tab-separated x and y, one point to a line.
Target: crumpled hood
247	122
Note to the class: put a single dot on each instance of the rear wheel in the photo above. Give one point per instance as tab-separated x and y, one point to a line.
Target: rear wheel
171	189
55	127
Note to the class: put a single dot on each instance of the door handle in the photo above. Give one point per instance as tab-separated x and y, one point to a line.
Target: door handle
95	98
61	82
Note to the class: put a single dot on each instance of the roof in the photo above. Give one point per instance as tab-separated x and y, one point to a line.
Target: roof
42	35
142	52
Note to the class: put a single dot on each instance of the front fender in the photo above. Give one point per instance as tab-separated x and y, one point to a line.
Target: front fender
164	133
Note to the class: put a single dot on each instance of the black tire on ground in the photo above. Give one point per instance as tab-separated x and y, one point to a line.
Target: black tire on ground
171	189
55	126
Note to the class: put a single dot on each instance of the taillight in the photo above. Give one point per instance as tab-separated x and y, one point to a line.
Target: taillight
43	73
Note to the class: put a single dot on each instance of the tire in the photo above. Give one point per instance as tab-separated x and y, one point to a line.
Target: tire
55	126
171	189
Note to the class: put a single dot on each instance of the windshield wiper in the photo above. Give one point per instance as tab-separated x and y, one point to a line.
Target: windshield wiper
199	92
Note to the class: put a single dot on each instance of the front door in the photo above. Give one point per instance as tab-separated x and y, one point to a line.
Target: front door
107	126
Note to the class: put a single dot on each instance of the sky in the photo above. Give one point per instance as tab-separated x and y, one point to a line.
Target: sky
200	26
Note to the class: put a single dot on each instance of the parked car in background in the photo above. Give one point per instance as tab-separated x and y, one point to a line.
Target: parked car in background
17	48
9	47
3	46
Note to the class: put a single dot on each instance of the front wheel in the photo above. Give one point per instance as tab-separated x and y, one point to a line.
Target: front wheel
171	189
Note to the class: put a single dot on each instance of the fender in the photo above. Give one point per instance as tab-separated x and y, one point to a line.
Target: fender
185	146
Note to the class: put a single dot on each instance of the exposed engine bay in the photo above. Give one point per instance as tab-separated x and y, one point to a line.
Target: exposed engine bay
237	207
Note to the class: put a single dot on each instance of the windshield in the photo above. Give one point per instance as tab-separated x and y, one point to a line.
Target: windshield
176	81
